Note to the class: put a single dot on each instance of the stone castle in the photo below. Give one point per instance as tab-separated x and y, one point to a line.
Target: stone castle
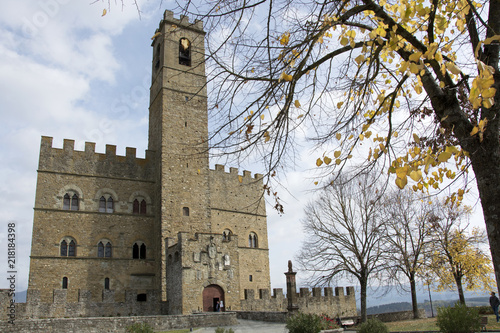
165	234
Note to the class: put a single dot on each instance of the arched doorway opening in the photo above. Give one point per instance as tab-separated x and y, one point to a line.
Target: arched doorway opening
212	295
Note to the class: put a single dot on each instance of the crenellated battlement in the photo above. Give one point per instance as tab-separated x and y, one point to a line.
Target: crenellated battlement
88	162
338	304
246	176
183	21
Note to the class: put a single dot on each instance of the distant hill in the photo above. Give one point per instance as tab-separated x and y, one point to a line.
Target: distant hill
406	306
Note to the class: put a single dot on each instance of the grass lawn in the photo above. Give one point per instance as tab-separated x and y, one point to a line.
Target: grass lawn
429	324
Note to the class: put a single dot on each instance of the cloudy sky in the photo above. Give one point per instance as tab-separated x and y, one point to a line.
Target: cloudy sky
66	71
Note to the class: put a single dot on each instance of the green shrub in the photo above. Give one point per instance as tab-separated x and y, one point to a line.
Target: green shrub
483	310
458	319
373	325
223	330
305	323
139	328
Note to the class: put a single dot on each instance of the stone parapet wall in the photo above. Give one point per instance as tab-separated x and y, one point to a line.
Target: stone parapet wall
270	316
330	304
118	324
85	306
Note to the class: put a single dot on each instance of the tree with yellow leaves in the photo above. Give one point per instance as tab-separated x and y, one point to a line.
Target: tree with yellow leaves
409	85
456	256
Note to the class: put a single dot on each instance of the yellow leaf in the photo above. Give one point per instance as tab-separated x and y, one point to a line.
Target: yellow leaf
453	68
416	175
315	183
327	160
359	59
402	172
156	35
451	149
337	161
489	93
104	11
361	137
339	105
285	38
199	171
415	57
337	153
401	182
416	138
262	116
474	130
338	136
344	41
444	156
286	77
300	116
319	162
240	178
297	103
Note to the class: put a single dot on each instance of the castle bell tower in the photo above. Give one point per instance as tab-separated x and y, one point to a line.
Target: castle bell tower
178	131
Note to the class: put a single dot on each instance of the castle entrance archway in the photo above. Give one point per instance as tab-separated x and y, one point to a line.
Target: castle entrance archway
211	295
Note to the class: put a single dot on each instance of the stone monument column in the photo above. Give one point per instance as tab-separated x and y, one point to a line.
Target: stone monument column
291	289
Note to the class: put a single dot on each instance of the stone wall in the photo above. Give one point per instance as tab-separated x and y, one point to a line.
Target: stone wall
117	324
329	304
85	306
271	316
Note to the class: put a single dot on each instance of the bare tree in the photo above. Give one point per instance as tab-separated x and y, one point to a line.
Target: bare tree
457	255
408	236
344	235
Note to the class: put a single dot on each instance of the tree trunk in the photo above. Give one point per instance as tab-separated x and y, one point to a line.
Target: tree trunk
461	296
414	304
487	173
363	283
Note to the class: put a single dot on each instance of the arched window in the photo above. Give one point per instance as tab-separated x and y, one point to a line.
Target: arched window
139	208
226	235
74	202
70	202
185	211
108	250
106	283
139	251
143	207
102	205
68	247
66	202
64	249
72	249
65	283
176	256
110	205
252	240
100	250
184	52
142	254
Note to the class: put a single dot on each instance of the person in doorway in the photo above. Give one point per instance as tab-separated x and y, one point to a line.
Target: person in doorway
494	302
217	307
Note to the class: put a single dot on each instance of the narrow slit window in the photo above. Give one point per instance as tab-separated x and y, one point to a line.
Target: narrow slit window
135	207
185	211
65	283
106	283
